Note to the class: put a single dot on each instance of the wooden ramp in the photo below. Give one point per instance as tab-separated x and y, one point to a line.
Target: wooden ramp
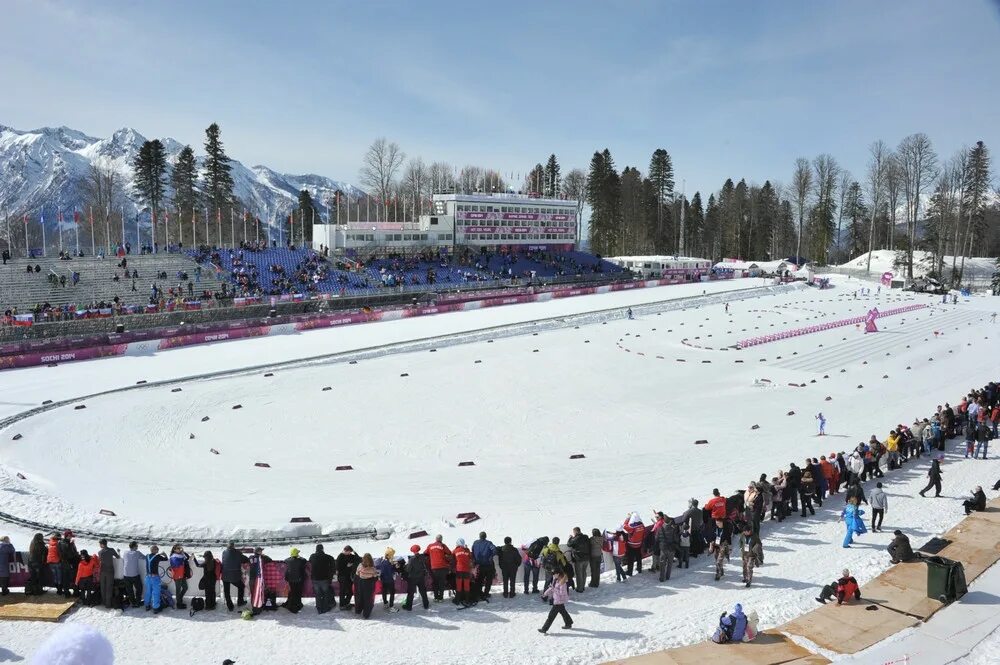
849	628
48	607
903	588
770	648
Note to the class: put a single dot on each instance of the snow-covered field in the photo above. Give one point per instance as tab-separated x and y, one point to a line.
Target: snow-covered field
519	406
884	260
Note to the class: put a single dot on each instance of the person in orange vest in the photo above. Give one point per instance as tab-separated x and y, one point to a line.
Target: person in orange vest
439	557
463	574
52	561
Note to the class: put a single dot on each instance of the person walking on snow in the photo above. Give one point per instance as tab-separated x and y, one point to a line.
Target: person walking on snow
852	522
933	479
560	595
822	423
879	501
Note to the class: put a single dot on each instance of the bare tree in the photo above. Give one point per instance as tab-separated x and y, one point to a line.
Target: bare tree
800	188
845	183
893	190
574	186
442	177
103	196
416	185
918	164
875	182
380	165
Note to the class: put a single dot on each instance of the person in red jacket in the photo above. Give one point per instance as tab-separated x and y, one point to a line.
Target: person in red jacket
440	559
635	531
86	577
716	505
463	573
845	589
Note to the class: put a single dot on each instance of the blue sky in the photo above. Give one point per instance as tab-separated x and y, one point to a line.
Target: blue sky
730	89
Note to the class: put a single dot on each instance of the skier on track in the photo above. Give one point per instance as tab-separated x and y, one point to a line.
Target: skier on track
822	423
629	313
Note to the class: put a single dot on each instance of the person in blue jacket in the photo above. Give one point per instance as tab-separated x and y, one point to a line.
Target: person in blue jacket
483	552
852	522
387	576
739	623
151	597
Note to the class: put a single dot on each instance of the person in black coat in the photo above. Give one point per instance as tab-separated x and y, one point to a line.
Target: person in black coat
347	564
321	567
295	575
933	479
510	561
232	575
899	548
37	552
416	578
209	578
977	502
793	479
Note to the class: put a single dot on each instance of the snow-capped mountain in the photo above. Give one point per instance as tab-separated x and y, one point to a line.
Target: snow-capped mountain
43	170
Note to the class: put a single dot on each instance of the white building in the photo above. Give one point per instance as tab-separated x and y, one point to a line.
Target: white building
664	266
490	220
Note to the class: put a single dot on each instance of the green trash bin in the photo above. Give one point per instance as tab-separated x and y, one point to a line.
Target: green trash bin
945	578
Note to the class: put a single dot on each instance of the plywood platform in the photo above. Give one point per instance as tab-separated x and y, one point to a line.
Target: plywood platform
903	588
849	628
48	607
770	648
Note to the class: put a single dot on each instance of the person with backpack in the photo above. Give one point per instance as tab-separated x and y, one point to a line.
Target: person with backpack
807	491
724	630
295	575
439	557
510	561
416	578
596	557
531	559
180	572
559	593
152	597
347	566
483	552
579	548
106	557
553	561
232	575
321	569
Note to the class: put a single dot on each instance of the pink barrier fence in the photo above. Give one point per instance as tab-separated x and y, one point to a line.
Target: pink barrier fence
325	321
774	337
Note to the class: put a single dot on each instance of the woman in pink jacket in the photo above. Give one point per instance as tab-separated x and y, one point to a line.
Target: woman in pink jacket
559	597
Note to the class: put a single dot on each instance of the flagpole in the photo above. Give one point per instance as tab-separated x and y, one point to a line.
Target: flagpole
123	228
93	241
138	238
244	226
44	251
218	225
76	224
27	252
59	226
232	228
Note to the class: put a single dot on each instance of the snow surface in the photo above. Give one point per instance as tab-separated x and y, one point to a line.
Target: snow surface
884	260
519	414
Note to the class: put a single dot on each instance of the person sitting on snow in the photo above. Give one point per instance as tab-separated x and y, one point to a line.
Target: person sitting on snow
899	548
736	627
845	589
977	502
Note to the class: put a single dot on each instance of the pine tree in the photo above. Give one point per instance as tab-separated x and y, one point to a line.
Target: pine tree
975	185
633	231
551	178
218	171
604	197
713	228
694	226
661	173
856	213
150	177
183	180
